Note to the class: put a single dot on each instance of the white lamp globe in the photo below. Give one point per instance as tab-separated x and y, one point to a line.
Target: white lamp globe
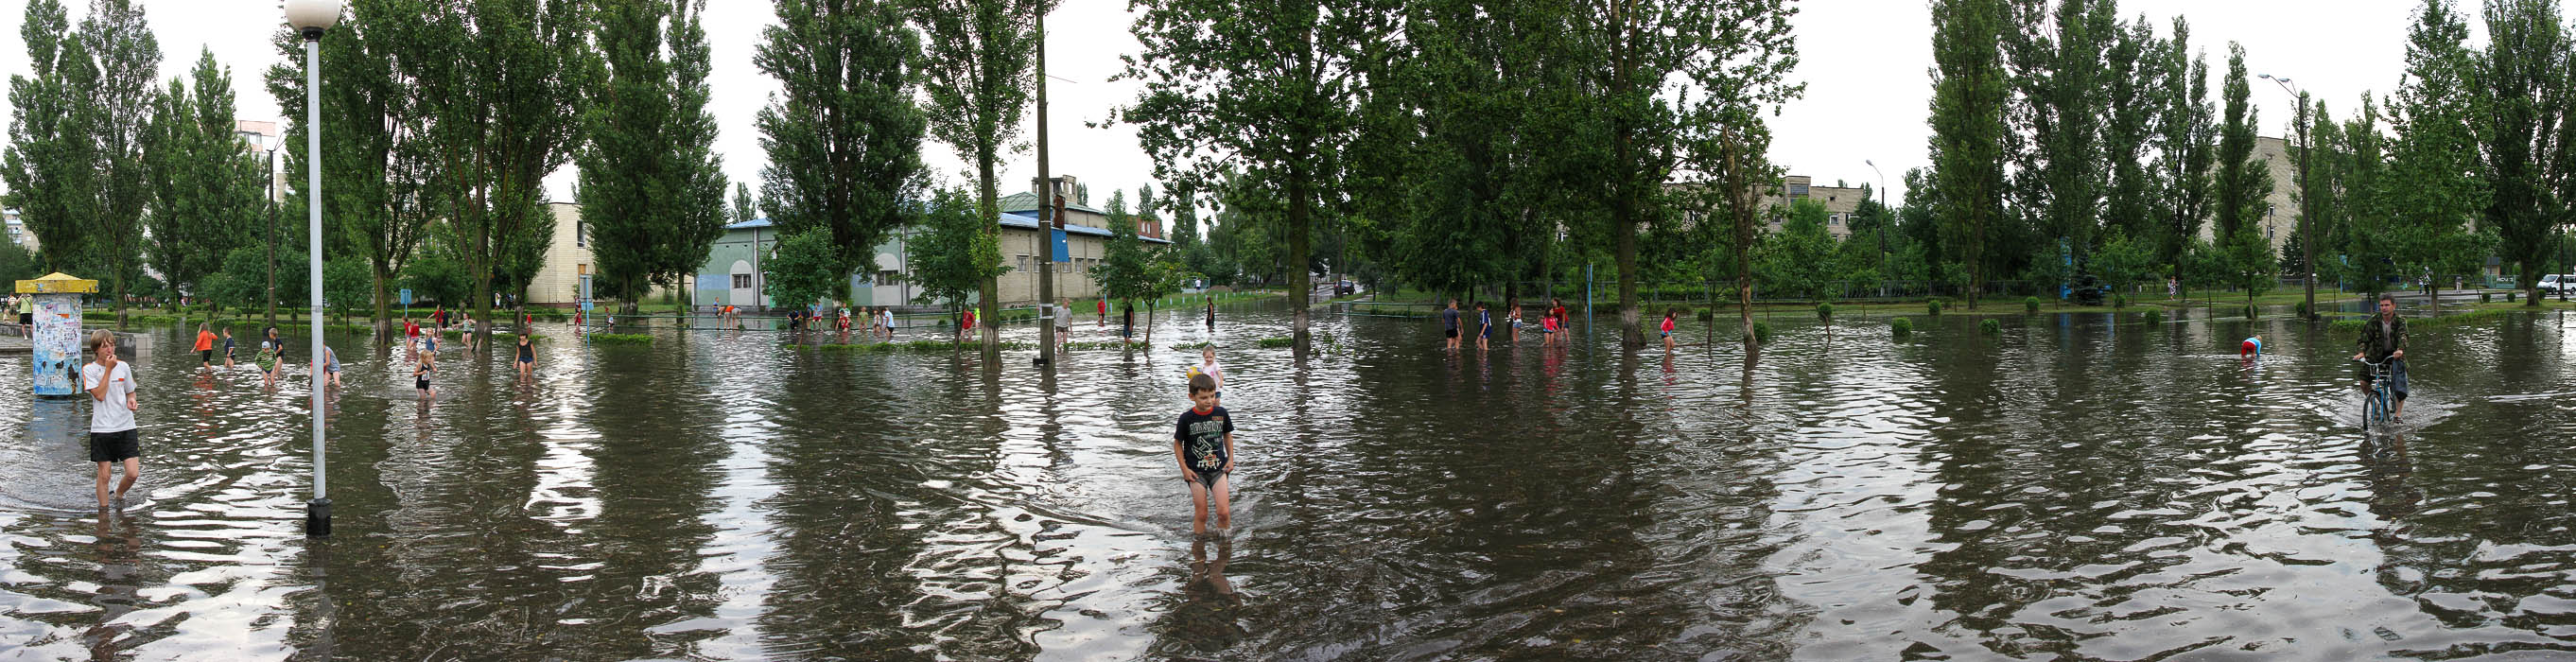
311	17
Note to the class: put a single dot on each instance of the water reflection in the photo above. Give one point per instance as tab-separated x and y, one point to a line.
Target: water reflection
2072	487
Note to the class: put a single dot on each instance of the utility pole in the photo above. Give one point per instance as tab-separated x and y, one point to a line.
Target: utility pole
1048	220
1885	224
2307	194
272	235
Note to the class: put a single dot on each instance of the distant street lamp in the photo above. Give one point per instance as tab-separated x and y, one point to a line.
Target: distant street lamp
2307	196
1884	224
310	18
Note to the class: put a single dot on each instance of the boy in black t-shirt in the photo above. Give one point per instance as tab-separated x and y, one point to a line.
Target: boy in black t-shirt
1203	441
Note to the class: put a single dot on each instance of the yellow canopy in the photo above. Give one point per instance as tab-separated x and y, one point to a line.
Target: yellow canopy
58	283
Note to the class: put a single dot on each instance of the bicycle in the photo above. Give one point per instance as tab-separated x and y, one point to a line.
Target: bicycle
2375	403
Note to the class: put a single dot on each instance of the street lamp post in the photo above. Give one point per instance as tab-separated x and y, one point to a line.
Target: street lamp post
310	18
1884	224
2307	192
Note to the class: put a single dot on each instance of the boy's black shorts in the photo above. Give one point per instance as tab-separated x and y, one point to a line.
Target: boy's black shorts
114	446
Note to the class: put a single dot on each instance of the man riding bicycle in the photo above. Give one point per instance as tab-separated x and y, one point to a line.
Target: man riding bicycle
2383	341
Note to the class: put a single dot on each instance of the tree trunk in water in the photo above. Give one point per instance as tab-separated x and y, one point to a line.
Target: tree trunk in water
989	291
1299	281
384	309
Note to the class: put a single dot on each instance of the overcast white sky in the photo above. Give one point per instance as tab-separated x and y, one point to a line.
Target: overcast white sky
1865	63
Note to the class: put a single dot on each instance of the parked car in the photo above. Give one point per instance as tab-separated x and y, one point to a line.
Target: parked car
2557	283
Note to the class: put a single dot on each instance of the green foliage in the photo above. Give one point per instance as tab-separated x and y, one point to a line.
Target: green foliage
2243	183
652	190
2155	317
347	283
2433	187
2122	261
77	163
243	282
2249	312
1129	270
1824	312
744	208
1989	325
844	136
2186	145
377	153
1761	331
503	87
1932	305
17	263
1799	258
437	278
1969	99
1900	327
2030	305
955	253
2119	301
806	269
2248	260
205	188
621	338
2527	86
1274	342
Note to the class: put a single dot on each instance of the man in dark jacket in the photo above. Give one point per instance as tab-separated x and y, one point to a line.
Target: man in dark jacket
2383	340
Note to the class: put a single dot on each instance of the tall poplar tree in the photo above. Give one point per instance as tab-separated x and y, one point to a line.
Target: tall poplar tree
1734	56
1265	89
375	154
2526	61
977	74
52	161
1969	93
2185	146
844	139
2243	181
504	85
2434	190
2059	72
2130	87
205	188
128	65
652	189
745	208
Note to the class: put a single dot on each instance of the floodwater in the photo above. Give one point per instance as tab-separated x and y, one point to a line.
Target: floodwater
2070	488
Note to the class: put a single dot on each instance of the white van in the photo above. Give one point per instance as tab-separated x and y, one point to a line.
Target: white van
2555	283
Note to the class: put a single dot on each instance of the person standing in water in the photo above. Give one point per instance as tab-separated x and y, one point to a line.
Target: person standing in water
1203	442
1211	312
1449	326
1667	329
1484	326
527	357
205	346
112	436
270	359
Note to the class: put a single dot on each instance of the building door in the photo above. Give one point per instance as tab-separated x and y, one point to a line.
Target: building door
744	294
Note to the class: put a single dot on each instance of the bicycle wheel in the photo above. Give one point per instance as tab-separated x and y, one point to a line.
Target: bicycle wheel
2369	409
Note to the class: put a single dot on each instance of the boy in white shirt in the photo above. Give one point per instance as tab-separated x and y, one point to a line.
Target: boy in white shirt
112	437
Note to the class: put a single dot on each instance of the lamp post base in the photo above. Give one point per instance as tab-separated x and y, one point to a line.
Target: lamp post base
317	518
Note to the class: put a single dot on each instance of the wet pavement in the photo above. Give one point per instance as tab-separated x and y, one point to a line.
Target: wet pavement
2073	487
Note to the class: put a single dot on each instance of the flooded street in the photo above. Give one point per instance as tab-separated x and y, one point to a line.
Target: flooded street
2070	488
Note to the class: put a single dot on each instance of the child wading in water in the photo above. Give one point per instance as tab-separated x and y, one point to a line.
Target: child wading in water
1207	366
1203	441
1668	329
527	357
420	373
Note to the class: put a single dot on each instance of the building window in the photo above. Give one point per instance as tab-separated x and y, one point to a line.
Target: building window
1834	220
580	232
742	281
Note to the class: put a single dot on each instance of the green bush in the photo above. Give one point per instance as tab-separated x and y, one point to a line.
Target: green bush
2249	312
2155	317
1824	312
1761	331
2510	294
1706	315
2030	305
2484	297
1900	327
1933	305
2119	301
1275	342
2302	308
1990	326
621	338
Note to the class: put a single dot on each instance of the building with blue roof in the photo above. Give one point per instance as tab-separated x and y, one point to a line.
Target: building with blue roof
732	272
